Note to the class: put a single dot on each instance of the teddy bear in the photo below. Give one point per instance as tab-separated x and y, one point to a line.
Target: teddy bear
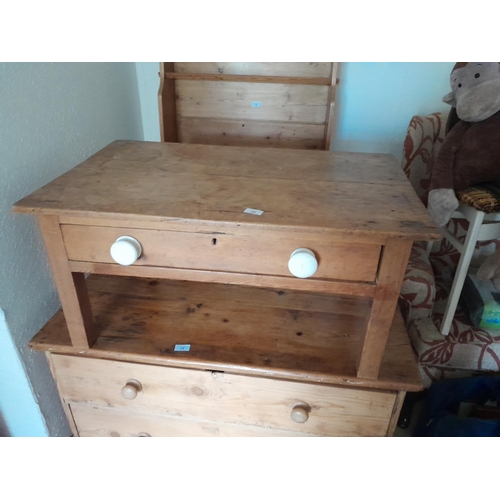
470	153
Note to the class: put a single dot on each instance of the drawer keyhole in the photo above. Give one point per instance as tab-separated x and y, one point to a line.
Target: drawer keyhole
214	241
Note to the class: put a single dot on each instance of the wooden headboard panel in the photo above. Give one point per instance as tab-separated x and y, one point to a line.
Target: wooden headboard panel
284	105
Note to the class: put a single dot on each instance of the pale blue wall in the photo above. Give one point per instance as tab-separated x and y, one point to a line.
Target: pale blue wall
20	413
52	117
148	82
377	100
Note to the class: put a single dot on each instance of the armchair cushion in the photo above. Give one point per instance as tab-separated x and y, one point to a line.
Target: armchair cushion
465	348
424	138
418	291
427	283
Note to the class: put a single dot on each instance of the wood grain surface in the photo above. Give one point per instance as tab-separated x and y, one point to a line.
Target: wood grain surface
268	254
110	422
287	80
255	331
290	69
338	193
167	107
390	276
277	105
71	286
252	133
225	397
233	100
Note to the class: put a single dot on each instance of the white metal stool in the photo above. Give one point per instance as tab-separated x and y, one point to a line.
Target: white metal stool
482	227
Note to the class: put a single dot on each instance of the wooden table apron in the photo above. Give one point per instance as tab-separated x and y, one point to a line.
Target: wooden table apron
195	195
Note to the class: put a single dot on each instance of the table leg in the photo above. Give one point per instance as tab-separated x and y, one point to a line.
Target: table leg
390	276
72	287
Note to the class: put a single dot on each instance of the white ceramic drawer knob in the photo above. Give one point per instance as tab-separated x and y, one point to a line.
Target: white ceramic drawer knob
131	389
143	435
300	413
125	250
302	263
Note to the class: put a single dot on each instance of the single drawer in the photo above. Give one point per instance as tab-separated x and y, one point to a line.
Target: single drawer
223	397
265	253
92	421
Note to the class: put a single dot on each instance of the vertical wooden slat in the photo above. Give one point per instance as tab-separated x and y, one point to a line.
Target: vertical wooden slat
167	104
71	286
390	276
330	108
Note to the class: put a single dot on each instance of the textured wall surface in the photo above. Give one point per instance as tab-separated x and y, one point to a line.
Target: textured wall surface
52	117
375	102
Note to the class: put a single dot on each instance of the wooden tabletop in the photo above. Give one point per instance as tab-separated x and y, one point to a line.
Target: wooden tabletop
150	181
254	331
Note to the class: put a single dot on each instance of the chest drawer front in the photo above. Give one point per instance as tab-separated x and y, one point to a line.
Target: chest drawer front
227	398
94	421
267	253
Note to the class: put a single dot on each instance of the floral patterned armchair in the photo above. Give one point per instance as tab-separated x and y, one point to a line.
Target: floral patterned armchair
466	350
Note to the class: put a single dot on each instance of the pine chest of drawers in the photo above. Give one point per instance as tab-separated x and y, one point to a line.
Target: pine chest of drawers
177	401
280	270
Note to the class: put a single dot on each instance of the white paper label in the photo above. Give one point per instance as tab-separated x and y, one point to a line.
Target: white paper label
253	211
182	347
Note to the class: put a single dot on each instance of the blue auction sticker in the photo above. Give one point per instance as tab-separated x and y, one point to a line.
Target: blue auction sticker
182	347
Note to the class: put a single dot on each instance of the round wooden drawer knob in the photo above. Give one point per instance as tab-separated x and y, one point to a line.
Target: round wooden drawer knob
303	263
131	389
300	413
125	250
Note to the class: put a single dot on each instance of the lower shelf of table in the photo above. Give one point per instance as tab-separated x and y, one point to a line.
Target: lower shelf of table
243	330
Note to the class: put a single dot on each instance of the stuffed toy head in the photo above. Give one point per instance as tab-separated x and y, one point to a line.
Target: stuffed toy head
475	90
470	153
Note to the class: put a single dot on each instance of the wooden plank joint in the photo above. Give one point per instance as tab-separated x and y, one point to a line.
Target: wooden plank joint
288	80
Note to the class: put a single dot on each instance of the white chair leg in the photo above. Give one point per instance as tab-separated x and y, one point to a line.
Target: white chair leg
463	266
